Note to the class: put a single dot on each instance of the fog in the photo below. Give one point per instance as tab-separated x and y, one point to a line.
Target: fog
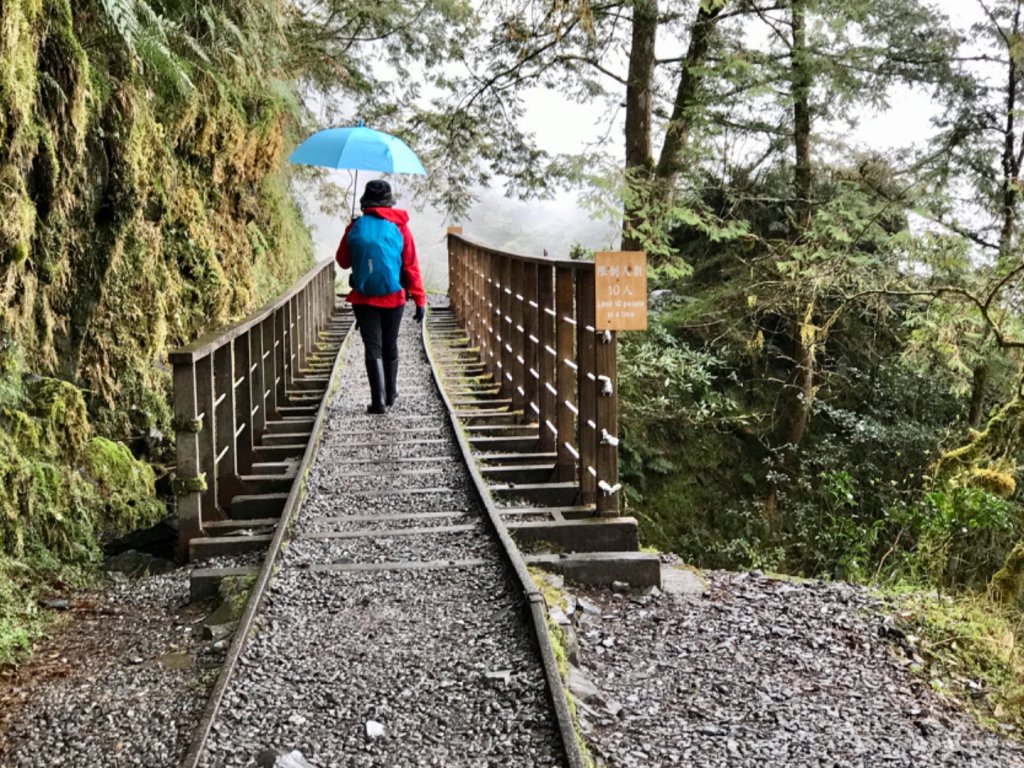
508	224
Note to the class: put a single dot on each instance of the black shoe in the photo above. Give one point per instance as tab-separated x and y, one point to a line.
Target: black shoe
375	373
391	381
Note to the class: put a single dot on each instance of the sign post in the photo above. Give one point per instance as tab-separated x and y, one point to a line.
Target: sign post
621	290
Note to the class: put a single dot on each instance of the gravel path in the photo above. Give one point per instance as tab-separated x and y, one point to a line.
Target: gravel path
761	672
121	684
390	668
435	667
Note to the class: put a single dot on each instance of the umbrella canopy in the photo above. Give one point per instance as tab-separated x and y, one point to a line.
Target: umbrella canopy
358	149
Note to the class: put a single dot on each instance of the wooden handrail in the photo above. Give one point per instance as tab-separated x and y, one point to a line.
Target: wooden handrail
228	385
204	345
578	264
533	320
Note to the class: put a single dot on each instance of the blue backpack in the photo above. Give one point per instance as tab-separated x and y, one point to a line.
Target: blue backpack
376	246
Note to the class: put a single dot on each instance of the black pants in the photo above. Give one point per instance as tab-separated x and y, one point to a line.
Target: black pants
379	329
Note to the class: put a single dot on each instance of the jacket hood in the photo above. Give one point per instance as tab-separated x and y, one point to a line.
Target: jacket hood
394	215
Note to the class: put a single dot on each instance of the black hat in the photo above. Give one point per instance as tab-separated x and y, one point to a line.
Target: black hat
377	195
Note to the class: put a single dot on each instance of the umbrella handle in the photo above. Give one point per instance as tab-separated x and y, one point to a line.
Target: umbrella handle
355	191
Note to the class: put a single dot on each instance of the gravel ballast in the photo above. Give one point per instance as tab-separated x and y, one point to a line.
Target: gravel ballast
760	672
437	667
121	684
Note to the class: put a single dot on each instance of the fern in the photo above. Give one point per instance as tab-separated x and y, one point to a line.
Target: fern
146	35
123	17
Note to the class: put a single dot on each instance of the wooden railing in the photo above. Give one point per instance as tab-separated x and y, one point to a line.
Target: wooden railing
533	320
228	385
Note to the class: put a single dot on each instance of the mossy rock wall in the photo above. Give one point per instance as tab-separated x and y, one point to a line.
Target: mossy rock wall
63	492
133	221
135	218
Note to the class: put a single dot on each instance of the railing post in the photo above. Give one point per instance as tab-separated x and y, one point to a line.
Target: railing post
607	424
547	359
205	397
288	348
188	499
295	340
531	341
565	469
505	325
281	356
303	331
313	302
322	298
469	295
243	402
480	303
257	384
586	380
226	460
268	358
307	326
321	306
325	296
328	289
457	276
494	319
517	338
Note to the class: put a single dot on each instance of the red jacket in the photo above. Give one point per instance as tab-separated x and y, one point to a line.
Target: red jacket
410	264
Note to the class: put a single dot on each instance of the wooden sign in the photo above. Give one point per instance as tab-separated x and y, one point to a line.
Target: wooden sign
620	278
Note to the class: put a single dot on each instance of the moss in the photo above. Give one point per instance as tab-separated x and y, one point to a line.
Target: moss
553	597
18	224
234	594
993	450
968	648
59	409
61	492
1001	484
24	431
1007	585
124	484
18	72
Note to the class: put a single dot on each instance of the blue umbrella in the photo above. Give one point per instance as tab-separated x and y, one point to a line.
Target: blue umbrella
357	148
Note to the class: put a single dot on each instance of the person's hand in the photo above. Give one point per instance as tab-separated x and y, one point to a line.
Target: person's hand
421	312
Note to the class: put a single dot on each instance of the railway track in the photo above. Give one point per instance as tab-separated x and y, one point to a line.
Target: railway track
393	622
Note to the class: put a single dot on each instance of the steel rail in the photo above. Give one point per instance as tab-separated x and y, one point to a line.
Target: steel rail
281	534
510	551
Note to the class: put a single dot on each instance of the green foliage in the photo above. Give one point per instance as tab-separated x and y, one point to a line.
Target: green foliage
146	35
62	493
665	388
125	484
966	648
234	592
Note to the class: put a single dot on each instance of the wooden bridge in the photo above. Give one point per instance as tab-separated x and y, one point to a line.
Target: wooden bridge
274	449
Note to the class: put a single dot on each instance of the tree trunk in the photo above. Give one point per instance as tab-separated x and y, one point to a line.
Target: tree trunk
1010	161
677	136
798	398
795	410
639	159
977	410
801	93
1010	164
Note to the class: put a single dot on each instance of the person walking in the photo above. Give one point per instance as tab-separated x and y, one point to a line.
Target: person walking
379	249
